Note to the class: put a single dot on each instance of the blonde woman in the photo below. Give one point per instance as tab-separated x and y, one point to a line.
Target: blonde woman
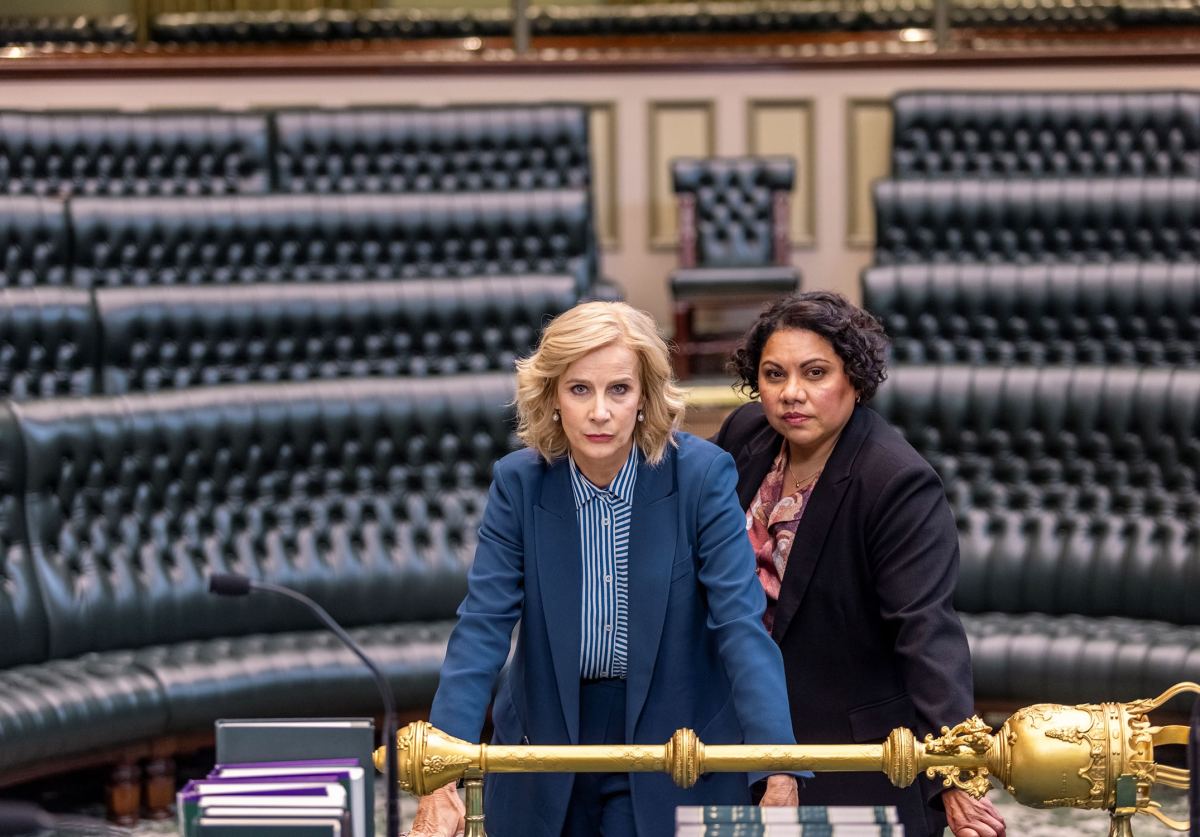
617	543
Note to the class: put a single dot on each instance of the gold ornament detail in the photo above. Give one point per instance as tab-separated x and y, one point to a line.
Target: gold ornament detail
684	753
1071	736
438	764
972	735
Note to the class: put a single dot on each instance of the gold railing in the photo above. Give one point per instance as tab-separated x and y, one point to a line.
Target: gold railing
1098	756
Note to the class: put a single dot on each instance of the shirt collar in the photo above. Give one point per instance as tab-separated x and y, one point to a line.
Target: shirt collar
621	487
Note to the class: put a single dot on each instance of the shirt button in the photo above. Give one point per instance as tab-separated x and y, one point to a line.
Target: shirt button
608	579
608	627
604	674
605	521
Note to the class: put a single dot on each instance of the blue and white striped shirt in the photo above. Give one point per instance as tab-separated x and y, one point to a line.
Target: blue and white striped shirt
603	515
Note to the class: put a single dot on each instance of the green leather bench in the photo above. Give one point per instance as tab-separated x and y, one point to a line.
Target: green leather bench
1006	134
364	494
1076	495
1122	313
1033	221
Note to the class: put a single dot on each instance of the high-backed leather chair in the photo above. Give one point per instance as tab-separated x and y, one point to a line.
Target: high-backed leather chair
364	494
145	242
942	133
34	242
455	149
1121	313
1077	494
173	337
115	153
1034	221
734	242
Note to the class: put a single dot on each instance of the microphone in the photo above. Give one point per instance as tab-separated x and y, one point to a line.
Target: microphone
232	584
26	818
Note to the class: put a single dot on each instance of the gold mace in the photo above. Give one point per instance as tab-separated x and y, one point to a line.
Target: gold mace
1096	755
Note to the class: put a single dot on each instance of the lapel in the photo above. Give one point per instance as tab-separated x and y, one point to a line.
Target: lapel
814	527
753	461
652	536
560	579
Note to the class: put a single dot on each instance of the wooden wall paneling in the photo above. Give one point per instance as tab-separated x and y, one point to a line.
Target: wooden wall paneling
676	129
785	127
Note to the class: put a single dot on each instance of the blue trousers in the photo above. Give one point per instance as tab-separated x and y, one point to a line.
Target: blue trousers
600	802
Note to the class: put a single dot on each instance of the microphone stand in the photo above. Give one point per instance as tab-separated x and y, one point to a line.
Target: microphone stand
229	584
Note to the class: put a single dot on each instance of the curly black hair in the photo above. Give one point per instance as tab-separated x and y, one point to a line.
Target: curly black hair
856	336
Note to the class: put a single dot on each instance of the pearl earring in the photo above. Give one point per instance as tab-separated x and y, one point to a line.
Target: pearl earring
555	416
641	416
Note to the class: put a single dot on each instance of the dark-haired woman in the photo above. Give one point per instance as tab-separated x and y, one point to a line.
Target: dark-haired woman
857	550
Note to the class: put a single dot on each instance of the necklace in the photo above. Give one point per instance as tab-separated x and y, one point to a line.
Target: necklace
810	478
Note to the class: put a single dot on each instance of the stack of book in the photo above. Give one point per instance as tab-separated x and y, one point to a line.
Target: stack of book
804	821
311	798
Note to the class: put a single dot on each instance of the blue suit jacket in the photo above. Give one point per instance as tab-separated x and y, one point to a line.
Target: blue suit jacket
699	655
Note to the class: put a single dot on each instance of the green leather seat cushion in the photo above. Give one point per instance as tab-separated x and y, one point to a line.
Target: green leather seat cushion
104	700
69	707
295	673
706	281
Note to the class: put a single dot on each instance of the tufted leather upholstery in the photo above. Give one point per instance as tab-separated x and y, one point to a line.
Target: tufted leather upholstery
1119	313
364	494
306	26
1026	221
1075	488
1037	134
574	20
142	242
733	241
114	153
1049	15
167	338
118	29
48	343
735	207
1078	659
467	149
34	242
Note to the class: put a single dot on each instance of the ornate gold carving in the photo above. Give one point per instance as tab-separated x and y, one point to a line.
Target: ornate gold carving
436	764
899	757
972	735
683	757
1072	736
971	738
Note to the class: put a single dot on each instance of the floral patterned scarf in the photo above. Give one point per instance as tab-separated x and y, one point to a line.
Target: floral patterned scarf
771	522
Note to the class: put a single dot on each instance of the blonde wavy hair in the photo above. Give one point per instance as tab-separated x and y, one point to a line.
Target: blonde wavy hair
575	333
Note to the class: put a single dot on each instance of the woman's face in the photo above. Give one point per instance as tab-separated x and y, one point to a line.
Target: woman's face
598	399
806	394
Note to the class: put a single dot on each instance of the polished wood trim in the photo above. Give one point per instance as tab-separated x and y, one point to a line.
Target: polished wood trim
806	179
661	239
857	239
687	230
612	220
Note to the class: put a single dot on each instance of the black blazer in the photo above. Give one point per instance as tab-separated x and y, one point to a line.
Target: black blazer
865	618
